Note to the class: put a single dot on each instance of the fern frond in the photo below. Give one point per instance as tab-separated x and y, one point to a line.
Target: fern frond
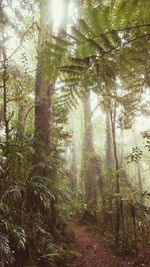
80	36
96	46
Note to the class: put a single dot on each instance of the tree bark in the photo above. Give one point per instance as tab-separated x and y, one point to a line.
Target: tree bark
88	156
5	78
109	143
21	114
43	88
74	167
139	176
117	189
88	135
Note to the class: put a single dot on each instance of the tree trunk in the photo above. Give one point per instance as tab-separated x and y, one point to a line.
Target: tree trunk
117	189
88	156
139	178
74	168
138	169
88	135
43	89
21	114
109	143
5	78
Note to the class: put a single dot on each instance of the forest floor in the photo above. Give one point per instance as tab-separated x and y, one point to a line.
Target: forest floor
90	252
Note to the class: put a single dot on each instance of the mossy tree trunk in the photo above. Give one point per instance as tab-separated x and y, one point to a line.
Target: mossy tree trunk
138	168
43	88
44	92
109	143
88	156
117	175
73	182
139	178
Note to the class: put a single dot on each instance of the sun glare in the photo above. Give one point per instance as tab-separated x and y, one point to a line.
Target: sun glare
57	9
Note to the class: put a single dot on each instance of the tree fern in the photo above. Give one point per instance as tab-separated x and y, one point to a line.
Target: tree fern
103	52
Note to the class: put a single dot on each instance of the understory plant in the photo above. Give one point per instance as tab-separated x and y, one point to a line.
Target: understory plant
27	226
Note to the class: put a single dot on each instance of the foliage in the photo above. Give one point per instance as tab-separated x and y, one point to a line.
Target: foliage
135	155
26	224
106	52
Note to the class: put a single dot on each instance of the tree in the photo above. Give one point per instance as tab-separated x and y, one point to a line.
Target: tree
109	151
88	156
46	76
44	86
102	56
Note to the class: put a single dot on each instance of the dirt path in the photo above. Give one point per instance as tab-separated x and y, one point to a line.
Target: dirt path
93	254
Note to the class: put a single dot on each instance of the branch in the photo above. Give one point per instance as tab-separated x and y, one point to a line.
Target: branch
20	43
27	115
10	116
113	31
109	51
98	105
